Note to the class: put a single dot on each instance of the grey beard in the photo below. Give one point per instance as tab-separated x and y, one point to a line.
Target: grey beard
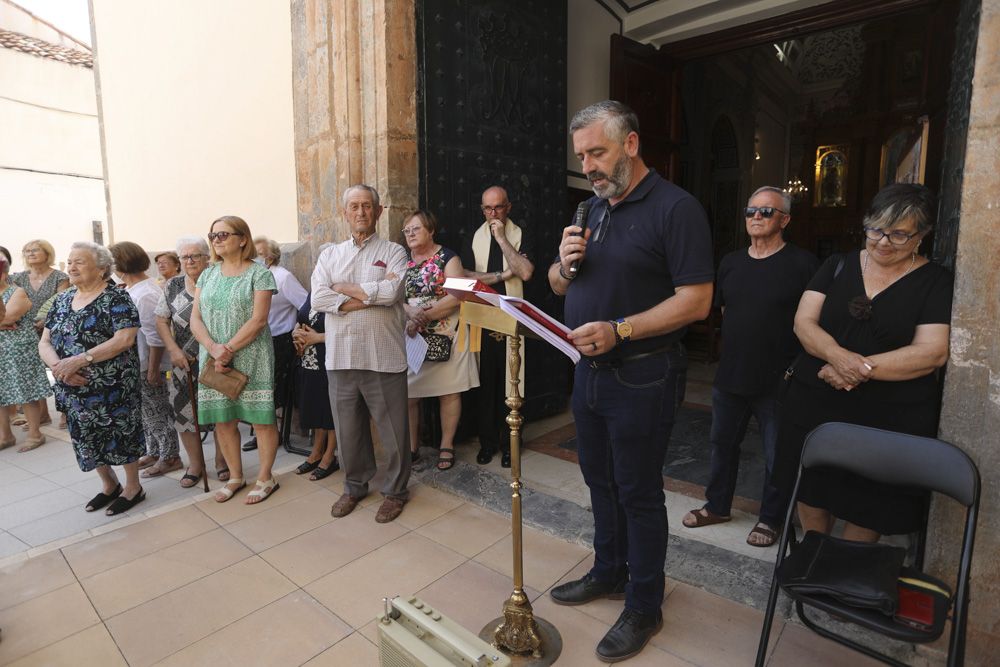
617	182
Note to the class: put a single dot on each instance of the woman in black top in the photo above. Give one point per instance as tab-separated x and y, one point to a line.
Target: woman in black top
874	325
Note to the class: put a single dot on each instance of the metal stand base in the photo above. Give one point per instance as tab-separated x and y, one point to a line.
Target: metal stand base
550	646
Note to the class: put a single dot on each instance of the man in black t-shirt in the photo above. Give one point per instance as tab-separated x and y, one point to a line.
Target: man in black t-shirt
758	289
645	273
499	254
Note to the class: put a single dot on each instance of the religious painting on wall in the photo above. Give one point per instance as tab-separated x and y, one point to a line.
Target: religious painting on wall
904	154
831	175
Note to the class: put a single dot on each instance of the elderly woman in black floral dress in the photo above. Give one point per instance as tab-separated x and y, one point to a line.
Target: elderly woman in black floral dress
89	343
173	322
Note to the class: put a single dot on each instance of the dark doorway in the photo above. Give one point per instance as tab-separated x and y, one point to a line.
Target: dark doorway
492	111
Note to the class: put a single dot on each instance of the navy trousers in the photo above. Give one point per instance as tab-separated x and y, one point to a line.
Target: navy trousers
624	414
730	416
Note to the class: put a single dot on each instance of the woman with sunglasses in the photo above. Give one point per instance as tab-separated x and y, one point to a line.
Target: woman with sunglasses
229	321
874	325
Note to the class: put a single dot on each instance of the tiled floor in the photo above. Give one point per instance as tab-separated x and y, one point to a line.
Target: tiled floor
282	583
42	492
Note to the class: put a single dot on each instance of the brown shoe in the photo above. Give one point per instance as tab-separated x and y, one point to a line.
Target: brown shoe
344	506
390	509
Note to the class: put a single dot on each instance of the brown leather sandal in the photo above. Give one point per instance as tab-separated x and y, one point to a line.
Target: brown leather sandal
702	517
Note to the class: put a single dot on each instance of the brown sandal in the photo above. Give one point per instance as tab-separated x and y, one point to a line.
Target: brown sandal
763	530
702	517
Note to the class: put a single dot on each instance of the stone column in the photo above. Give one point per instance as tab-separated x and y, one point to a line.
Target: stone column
970	416
354	95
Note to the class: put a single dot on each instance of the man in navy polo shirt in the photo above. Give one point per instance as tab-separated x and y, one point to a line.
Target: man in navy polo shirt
645	273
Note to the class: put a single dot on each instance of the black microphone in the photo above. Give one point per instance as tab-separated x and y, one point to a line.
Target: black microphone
582	211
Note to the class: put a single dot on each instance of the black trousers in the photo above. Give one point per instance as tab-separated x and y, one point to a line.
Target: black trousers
491	411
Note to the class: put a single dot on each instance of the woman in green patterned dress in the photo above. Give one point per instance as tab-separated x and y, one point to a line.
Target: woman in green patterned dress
22	375
229	321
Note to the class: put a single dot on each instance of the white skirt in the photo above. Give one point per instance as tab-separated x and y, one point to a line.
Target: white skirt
439	378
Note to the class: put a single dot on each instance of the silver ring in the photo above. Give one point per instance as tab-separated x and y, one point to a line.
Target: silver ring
595	346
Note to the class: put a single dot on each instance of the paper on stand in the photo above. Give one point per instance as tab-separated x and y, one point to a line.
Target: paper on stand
549	329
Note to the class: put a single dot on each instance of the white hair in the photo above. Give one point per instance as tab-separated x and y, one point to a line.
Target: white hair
192	240
361	186
786	198
102	256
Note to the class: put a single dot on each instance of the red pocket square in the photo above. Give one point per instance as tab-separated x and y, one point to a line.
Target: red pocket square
379	262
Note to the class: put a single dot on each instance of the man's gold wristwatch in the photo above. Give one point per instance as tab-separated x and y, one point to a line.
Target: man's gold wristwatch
622	329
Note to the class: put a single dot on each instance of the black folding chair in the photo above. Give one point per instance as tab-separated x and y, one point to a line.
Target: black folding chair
902	460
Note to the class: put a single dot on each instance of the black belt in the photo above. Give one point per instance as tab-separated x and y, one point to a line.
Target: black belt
618	363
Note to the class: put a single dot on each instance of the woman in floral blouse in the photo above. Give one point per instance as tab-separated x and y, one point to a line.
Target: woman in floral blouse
432	312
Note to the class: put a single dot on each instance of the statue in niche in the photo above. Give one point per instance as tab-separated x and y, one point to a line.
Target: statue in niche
831	176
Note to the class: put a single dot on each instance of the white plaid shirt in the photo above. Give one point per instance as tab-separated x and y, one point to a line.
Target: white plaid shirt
371	338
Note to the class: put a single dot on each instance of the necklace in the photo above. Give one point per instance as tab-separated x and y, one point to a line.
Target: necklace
886	283
913	260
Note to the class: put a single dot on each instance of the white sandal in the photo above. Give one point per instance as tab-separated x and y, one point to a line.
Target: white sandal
262	491
225	493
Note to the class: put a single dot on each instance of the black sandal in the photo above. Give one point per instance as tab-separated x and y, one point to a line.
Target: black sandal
321	473
102	499
123	504
306	466
194	479
446	463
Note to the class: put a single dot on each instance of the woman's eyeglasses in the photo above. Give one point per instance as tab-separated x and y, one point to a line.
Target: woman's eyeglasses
897	237
765	211
222	236
193	258
410	231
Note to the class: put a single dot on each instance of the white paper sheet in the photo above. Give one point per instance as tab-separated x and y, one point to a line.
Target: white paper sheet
416	350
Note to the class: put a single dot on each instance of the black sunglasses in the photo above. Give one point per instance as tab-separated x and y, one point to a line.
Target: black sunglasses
222	236
765	211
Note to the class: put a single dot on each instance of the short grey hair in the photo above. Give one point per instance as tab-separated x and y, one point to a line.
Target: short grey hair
198	241
273	249
786	197
619	120
361	186
102	256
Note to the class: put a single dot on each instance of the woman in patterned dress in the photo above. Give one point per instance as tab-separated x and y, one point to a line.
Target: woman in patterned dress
23	375
89	343
162	446
173	322
229	321
40	282
430	310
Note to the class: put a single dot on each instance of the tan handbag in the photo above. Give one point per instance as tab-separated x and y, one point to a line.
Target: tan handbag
230	384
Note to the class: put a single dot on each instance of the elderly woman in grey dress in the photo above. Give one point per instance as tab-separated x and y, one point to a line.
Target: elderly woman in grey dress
173	322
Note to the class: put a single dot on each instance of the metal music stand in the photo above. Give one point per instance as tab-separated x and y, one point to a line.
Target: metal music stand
526	638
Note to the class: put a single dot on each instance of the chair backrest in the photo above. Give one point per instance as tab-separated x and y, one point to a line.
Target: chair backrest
894	458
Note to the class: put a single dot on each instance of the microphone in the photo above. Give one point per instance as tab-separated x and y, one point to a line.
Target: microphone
582	211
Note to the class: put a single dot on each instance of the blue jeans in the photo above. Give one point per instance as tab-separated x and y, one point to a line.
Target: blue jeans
730	416
623	415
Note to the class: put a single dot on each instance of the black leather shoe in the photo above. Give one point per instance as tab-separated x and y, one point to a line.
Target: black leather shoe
587	589
629	635
485	455
505	460
250	444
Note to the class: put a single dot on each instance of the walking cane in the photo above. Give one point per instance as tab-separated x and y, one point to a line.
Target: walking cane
197	427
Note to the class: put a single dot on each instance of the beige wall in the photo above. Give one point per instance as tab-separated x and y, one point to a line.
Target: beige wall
51	183
196	107
589	31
